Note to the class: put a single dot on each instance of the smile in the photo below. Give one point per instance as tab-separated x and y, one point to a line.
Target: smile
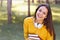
39	16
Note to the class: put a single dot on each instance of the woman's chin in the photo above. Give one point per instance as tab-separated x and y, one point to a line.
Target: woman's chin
39	18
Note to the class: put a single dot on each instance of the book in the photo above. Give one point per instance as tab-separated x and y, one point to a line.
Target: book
33	36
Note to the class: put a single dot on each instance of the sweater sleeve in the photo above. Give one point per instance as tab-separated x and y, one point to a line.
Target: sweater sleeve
25	27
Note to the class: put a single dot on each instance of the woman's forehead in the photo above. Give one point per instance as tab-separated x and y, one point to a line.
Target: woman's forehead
43	8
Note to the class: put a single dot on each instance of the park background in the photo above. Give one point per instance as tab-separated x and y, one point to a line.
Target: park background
13	12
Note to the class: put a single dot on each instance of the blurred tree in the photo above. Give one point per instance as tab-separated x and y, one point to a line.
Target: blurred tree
1	2
28	7
47	1
32	1
9	5
38	1
57	1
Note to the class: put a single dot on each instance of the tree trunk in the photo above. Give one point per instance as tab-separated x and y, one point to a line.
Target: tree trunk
9	5
32	1
47	1
28	7
38	1
57	1
1	2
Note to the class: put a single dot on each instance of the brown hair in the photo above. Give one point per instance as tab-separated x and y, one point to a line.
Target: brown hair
48	21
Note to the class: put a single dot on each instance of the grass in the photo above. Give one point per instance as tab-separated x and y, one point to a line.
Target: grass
14	31
11	32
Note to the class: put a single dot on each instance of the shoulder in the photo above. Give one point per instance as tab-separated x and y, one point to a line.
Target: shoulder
28	19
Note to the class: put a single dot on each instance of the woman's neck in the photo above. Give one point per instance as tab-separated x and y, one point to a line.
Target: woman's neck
39	21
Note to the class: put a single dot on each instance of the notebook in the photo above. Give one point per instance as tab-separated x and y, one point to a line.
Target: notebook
33	37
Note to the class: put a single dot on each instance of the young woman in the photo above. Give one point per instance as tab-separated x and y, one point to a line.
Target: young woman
40	26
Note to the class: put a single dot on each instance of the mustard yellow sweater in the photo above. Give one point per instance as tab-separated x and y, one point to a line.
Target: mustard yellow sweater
30	28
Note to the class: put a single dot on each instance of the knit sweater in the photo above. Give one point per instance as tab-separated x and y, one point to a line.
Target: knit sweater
29	28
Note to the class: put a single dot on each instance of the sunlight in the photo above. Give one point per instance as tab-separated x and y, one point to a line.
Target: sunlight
13	17
3	18
20	8
57	14
13	21
16	2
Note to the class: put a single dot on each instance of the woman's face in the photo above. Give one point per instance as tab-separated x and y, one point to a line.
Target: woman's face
41	13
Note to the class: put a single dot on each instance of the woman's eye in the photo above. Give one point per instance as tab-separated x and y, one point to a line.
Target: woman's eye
40	10
44	13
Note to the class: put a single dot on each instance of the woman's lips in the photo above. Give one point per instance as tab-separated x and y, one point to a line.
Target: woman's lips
39	16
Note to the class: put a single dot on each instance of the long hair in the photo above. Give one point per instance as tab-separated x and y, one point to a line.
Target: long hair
47	21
